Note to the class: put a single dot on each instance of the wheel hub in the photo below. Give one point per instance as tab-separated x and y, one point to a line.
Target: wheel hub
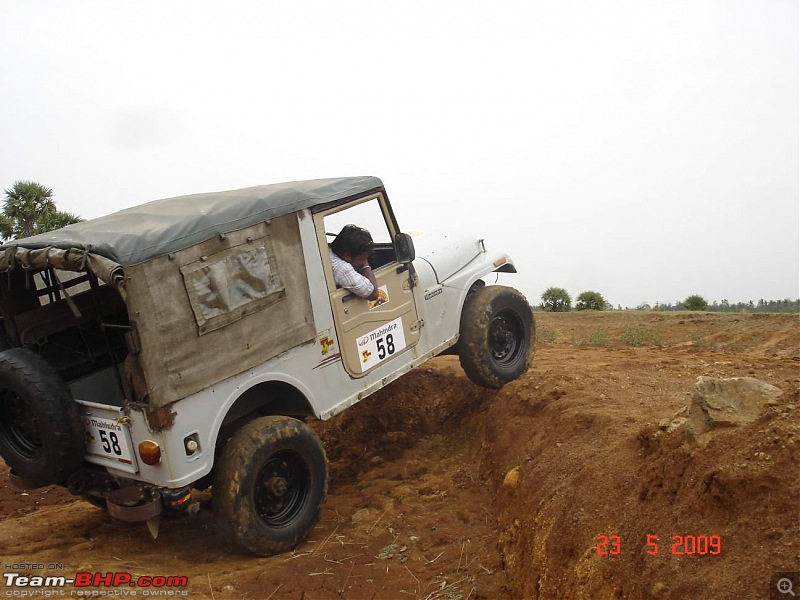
502	338
505	335
281	488
276	487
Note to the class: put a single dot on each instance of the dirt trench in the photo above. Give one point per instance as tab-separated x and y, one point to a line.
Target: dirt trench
440	489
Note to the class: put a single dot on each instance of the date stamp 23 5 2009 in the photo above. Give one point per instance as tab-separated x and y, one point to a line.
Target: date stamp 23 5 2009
683	545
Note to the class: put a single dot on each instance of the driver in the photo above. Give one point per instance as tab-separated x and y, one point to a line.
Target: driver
349	253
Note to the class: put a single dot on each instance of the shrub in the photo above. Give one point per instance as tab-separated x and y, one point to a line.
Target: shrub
590	300
695	302
555	299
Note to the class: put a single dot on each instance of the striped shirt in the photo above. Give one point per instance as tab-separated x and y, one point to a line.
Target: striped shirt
347	277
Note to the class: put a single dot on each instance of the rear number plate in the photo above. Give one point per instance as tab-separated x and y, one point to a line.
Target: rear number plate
107	438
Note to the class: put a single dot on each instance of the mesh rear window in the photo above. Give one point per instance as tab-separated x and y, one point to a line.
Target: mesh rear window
228	286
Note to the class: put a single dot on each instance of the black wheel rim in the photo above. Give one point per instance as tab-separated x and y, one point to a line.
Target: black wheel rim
506	336
281	488
19	426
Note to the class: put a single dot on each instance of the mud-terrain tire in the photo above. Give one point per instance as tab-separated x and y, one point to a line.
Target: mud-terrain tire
270	485
496	337
42	438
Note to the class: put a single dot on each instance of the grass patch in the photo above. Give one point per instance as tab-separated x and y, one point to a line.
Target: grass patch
701	341
547	336
639	335
598	338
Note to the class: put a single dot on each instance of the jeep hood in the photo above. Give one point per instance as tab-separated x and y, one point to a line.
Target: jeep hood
447	253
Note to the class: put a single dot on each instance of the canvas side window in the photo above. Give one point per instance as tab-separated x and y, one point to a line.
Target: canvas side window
228	286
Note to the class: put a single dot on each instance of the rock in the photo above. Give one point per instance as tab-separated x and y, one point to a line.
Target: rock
364	514
720	403
511	479
678	420
391	551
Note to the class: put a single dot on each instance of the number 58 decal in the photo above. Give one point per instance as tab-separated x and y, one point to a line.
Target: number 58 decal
381	343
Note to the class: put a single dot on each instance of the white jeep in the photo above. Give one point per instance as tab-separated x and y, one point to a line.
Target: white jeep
183	344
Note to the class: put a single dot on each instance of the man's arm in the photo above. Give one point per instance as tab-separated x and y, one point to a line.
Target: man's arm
362	285
366	271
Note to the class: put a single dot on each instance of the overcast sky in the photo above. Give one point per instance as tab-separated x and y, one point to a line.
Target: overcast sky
647	150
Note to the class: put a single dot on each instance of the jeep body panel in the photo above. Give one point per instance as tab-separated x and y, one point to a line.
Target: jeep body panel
315	368
230	300
447	253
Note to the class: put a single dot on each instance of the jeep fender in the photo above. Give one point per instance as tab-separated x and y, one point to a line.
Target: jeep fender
280	393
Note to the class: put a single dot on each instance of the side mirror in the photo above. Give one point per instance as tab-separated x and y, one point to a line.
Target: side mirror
404	246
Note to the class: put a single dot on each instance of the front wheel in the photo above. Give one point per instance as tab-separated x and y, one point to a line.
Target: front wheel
270	485
496	340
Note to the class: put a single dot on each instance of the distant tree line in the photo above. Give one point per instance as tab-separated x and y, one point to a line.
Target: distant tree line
762	306
556	299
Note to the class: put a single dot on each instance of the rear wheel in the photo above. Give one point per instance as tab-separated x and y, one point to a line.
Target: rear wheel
270	484
496	340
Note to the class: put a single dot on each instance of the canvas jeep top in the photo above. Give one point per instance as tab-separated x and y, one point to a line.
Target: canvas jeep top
182	343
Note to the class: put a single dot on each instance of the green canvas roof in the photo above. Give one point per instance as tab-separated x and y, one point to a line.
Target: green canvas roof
137	234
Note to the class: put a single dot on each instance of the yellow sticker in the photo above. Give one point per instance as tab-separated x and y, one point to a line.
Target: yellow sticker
326	343
383	297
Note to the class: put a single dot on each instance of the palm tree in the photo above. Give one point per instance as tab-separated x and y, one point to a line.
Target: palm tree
29	209
55	220
6	227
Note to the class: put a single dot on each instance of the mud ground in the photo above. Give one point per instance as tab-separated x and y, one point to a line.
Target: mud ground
440	489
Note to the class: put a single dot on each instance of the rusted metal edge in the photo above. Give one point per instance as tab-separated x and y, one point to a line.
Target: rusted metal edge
134	504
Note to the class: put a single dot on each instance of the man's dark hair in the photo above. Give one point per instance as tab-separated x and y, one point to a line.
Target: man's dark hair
353	240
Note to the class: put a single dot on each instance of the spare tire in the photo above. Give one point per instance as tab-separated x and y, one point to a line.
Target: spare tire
42	438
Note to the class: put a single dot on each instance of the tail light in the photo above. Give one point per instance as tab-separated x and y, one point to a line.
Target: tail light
150	452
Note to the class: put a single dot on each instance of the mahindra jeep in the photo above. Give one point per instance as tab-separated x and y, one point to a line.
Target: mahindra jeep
184	344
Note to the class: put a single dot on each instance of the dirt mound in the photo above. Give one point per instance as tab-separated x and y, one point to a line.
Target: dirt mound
594	462
440	489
